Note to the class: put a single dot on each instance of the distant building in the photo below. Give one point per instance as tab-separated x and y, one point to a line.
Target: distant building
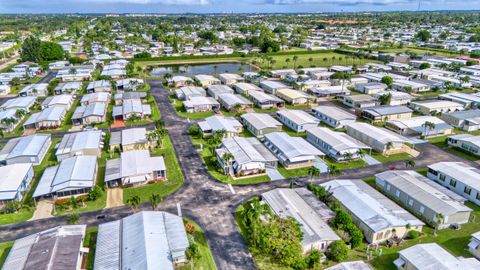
264	100
417	126
57	248
297	120
230	125
432	256
333	116
260	124
385	113
466	120
436	106
144	240
466	142
377	138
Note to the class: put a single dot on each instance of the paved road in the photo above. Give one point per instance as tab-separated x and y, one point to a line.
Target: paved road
206	201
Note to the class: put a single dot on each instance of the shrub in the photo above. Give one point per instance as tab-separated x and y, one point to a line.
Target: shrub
342	219
413	234
337	251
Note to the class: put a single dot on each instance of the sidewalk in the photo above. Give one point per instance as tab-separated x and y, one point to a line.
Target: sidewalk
44	209
114	197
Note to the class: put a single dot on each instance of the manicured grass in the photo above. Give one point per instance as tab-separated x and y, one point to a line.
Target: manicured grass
4	250
293	172
346	165
271	110
220	176
205	260
390	158
174	176
22	215
155	111
297	107
455	241
90	242
293	133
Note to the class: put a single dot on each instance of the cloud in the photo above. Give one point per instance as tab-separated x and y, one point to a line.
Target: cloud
164	2
341	2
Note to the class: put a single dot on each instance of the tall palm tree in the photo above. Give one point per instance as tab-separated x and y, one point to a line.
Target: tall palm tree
347	156
333	170
161	133
155	199
134	202
151	137
295	58
20	113
227	158
409	163
427	127
313	171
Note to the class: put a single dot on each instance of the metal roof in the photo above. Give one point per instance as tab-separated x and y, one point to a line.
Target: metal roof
96	97
273	85
433	257
292	147
134	136
229	124
298	117
199	101
339	141
334	113
285	202
79	141
12	178
61	100
261	120
425	191
54	113
19	102
244	150
388	110
233	99
356	265
146	240
370	206
132	164
459	171
376	133
263	97
25	146
416	123
73	173
56	248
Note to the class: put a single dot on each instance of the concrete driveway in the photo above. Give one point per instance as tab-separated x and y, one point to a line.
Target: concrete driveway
44	209
114	197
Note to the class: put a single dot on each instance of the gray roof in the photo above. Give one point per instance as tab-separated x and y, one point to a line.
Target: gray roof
200	101
96	97
356	265
132	166
145	240
132	106
54	113
56	248
370	206
460	171
339	141
92	109
134	136
19	102
433	257
261	120
388	110
335	113
245	150
425	191
229	124
298	117
233	99
466	115
129	95
285	202
79	141
290	148
379	134
100	83
12	178
262	97
25	146
273	85
73	173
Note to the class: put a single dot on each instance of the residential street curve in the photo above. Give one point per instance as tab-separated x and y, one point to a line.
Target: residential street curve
207	201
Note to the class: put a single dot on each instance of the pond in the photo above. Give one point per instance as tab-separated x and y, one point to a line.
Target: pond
195	69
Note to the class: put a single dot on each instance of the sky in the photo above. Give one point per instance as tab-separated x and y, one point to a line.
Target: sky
228	6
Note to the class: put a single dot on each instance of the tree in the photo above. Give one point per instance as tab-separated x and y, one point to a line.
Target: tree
142	55
155	199
409	163
313	171
465	79
333	170
227	158
387	80
134	202
73	219
31	49
50	51
427	127
161	134
425	65
192	252
295	59
423	35
337	251
313	258
385	99
341	220
95	193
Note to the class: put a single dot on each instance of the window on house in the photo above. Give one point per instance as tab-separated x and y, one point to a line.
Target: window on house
397	193
467	190
422	209
453	183
410	202
442	177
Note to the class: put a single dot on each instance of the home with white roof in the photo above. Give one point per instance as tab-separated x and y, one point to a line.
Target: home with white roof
129	139
425	126
292	152
48	118
14	182
82	143
206	80
379	139
230	125
260	124
427	107
468	120
379	218
333	116
297	120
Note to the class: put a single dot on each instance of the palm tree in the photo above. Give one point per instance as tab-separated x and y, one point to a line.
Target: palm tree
2	134
295	58
252	213
313	171
333	170
161	132
155	199
151	137
159	124
20	113
465	80
134	202
347	156
439	218
409	163
427	127
8	122
227	158
72	71
287	61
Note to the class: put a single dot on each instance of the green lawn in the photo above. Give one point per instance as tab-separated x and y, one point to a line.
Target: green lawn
4	250
174	176
441	142
346	165
205	260
390	158
298	106
259	110
293	133
293	172
23	215
91	243
220	176
181	112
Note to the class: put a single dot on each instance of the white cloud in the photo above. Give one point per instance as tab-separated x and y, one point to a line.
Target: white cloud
165	2
341	2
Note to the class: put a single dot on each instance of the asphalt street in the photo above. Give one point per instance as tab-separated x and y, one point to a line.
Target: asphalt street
206	201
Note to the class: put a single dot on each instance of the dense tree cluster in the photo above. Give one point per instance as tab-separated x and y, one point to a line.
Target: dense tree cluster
35	50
